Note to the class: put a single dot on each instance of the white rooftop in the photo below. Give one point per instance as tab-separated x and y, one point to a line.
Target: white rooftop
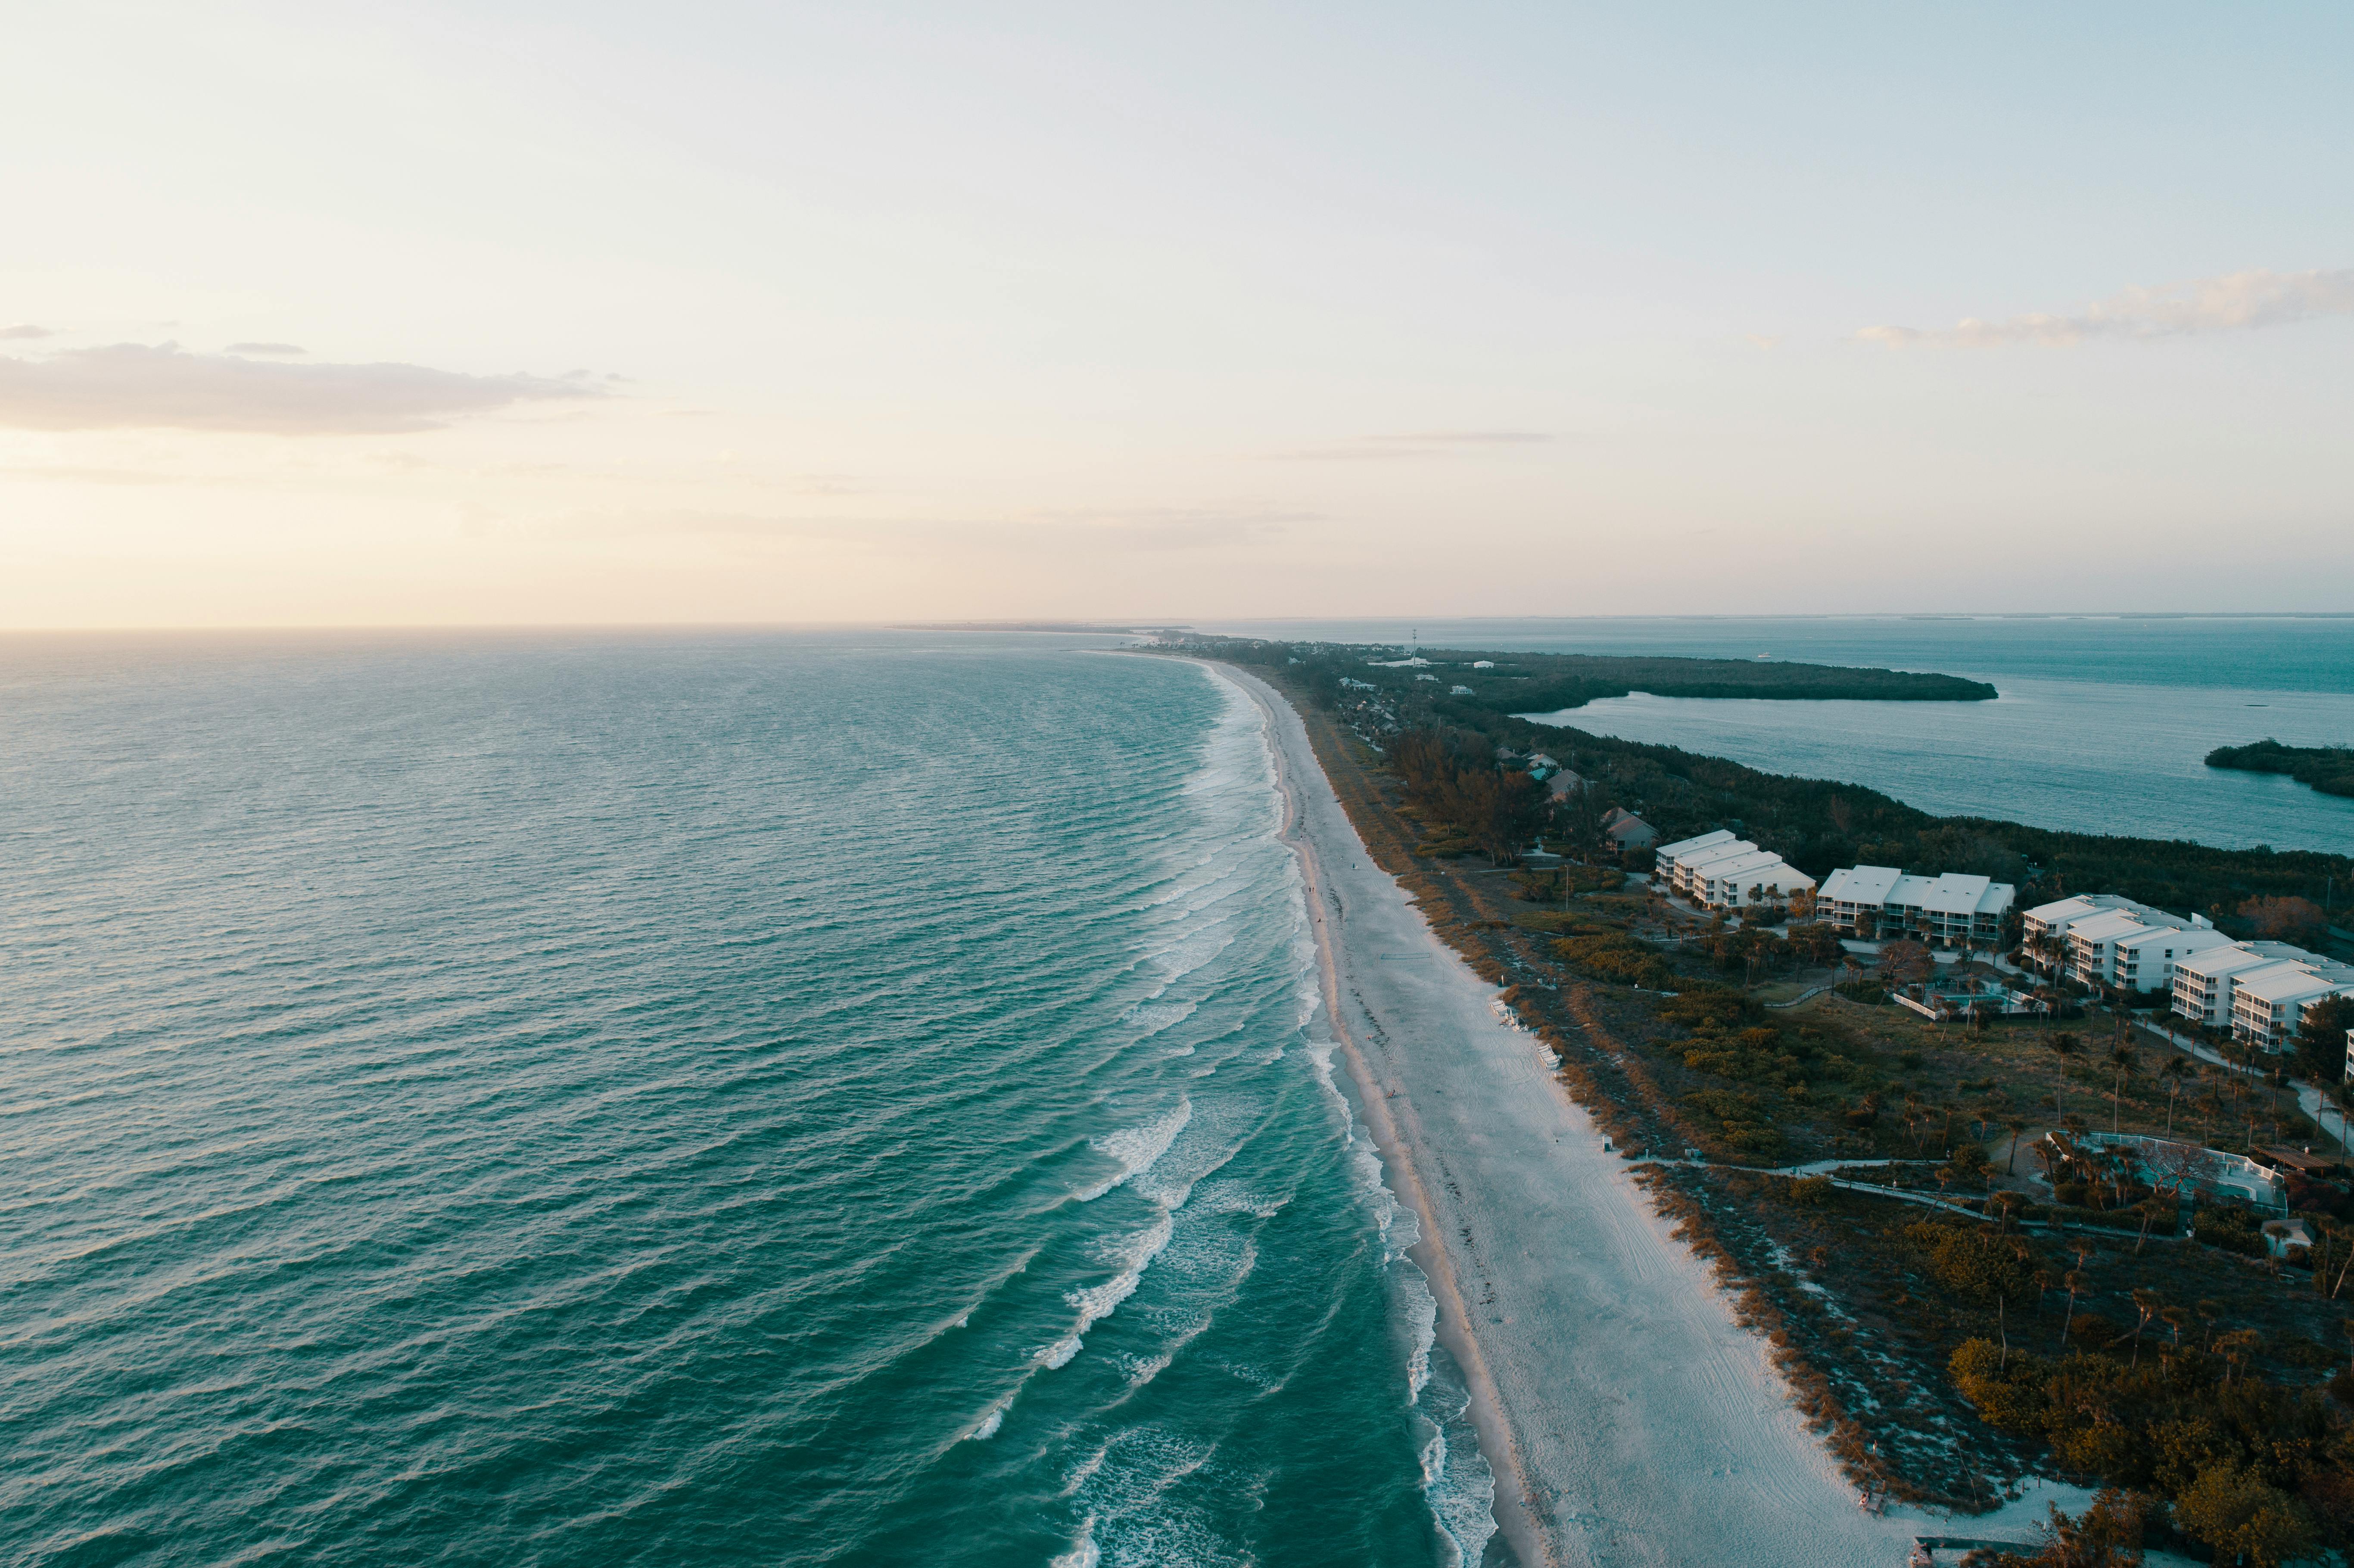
1955	893
1707	859
1860	884
2109	923
1685	846
2077	905
2187	940
2288	982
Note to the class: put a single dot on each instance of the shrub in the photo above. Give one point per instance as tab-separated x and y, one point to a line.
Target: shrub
1616	957
2227	1229
1743	1121
1971	1263
2242	1517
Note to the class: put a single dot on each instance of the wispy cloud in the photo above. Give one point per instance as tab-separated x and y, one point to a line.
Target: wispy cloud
1137	529
24	334
1418	444
2236	301
133	385
270	348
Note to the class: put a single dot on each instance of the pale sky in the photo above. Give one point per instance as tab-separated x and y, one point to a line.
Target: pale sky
334	314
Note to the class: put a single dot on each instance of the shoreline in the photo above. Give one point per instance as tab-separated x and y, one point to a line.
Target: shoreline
1514	1520
1626	1414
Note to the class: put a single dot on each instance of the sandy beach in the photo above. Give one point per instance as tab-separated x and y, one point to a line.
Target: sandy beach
1628	1418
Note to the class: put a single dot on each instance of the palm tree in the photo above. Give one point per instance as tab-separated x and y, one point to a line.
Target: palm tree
2014	1126
2176	1319
2209	1312
2076	1281
2122	1059
2147	1303
2175	1070
2063	1044
2236	1347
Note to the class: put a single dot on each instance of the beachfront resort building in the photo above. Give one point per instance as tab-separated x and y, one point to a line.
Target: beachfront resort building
2104	939
2045	927
2202	982
1717	870
2260	990
1669	859
2135	949
1874	902
2268	1005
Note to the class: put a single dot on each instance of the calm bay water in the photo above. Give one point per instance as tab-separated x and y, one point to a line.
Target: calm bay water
794	1098
2102	726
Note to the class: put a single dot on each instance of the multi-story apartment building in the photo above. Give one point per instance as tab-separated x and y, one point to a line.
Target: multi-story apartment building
1667	860
2268	1004
1733	881
1719	871
2202	981
1952	910
2260	989
2136	950
2045	927
2101	939
2145	960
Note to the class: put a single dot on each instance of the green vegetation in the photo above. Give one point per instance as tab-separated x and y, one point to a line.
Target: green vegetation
1461	788
2329	768
1544	683
2255	1472
1614	956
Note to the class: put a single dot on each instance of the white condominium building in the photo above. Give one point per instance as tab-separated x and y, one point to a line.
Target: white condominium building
2202	981
2045	927
1667	860
1721	872
2101	939
2136	950
1953	909
2268	1004
2261	990
1760	877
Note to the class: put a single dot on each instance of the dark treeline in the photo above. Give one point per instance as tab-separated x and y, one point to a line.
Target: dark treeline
1814	823
2329	768
1546	682
1461	786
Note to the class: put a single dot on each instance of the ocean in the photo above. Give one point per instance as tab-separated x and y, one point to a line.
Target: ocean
847	1098
2101	726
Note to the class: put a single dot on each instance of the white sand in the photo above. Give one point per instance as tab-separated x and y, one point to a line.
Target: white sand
1628	1417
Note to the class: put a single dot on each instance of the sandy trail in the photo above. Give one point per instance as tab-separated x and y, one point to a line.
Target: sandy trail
1628	1417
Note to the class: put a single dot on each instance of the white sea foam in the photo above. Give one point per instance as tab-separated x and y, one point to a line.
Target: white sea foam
1134	1254
987	1426
1083	1552
1149	1018
1136	1148
1456	1479
1422	1329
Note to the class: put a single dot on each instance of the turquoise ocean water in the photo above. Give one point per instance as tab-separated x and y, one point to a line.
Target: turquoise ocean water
783	1099
2101	726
